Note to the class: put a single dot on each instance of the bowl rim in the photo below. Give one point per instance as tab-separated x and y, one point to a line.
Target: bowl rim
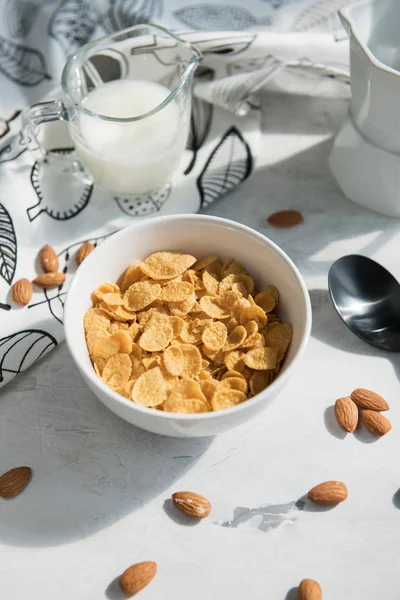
170	416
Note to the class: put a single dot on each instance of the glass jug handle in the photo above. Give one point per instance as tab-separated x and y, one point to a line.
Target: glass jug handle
35	116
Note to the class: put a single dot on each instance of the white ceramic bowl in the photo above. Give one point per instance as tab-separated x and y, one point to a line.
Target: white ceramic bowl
200	236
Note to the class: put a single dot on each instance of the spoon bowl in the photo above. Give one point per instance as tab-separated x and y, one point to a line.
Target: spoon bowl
367	298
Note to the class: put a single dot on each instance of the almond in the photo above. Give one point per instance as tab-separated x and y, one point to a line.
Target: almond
369	400
328	493
376	423
285	218
309	590
22	291
83	252
192	504
49	280
14	481
48	259
346	413
136	577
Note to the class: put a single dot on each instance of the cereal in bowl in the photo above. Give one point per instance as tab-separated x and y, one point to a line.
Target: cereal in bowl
186	336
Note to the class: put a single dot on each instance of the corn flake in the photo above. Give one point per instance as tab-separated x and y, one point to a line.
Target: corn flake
138	367
279	336
157	334
259	381
225	397
106	288
165	265
266	301
181	309
213	308
117	371
150	389
133	274
234	360
177	325
204	262
261	359
208	387
141	294
93	334
188	388
211	282
173	360
253	313
214	336
192	360
113	299
235	383
175	403
93	317
271	289
177	291
236	338
244	284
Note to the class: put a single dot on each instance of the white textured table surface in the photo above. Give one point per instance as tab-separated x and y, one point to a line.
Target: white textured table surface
97	501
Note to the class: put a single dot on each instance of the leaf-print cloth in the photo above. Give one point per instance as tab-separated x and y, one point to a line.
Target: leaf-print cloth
245	46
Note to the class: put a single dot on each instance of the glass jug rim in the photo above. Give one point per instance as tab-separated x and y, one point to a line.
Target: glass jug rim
196	59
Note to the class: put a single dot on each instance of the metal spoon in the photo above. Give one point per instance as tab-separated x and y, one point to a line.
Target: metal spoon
367	298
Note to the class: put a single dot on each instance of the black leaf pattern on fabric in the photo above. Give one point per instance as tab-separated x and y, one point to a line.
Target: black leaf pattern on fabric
213	17
20	16
126	13
144	205
224	46
5	123
5	306
59	200
200	120
247	65
229	164
23	65
14	145
276	4
322	15
55	297
13	148
21	350
73	23
8	246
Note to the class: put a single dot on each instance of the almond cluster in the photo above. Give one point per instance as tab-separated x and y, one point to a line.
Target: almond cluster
22	290
367	405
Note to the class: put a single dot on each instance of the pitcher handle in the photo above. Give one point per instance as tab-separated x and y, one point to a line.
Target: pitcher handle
35	116
32	118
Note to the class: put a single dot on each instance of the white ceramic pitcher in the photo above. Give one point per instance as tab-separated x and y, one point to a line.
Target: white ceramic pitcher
366	155
373	28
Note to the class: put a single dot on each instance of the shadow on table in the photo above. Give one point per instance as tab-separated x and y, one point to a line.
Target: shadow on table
328	328
90	468
292	594
396	499
293	173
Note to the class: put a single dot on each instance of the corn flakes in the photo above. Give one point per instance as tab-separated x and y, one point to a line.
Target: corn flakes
186	336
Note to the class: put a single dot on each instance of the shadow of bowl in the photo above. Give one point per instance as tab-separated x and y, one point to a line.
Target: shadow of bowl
90	468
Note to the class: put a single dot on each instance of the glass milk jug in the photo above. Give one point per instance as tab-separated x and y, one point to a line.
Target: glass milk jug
127	99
